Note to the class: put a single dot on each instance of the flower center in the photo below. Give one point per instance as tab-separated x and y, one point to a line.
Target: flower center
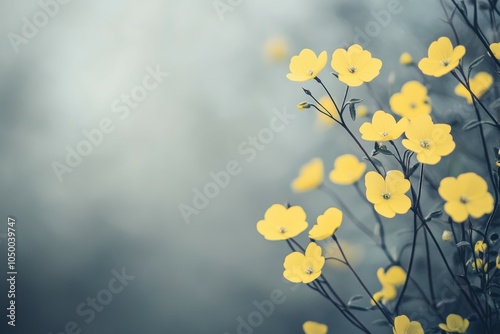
446	62
425	144
413	105
310	72
464	199
309	270
384	134
282	230
386	196
352	69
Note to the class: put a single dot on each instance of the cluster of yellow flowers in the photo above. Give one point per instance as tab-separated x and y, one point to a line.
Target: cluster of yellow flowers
464	197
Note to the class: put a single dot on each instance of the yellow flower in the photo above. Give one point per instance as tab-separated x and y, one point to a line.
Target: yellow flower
406	59
281	223
480	247
390	280
402	325
479	265
383	127
327	104
479	85
495	48
455	324
412	101
306	65
310	176
347	169
447	236
442	57
276	49
327	224
430	141
465	195
388	195
304	268
497	262
355	65
311	327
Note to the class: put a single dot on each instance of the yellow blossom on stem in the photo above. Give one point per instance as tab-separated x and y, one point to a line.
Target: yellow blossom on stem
455	324
347	169
310	176
412	101
465	195
495	48
403	325
355	65
478	265
442	58
430	141
306	65
406	59
311	327
388	195
383	127
281	223
306	267
303	105
479	85
394	277
327	224
480	247
497	262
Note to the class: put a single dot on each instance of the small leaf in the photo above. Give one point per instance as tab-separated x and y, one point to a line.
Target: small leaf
463	243
380	322
354	298
433	214
352	111
474	64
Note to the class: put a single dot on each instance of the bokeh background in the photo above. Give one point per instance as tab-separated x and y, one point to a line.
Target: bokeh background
120	207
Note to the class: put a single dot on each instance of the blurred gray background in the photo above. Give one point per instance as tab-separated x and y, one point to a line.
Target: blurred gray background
119	208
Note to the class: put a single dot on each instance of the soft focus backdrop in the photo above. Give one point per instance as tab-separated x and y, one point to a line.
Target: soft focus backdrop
220	79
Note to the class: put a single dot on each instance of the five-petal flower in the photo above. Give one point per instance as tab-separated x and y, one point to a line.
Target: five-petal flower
347	169
327	224
465	195
306	267
479	85
306	65
388	195
412	101
281	223
355	65
310	176
442	58
430	141
455	324
383	127
403	325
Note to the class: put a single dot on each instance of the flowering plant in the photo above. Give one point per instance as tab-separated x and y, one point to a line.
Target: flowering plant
415	172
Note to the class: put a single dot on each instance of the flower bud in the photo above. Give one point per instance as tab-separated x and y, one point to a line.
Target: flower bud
406	59
447	236
303	105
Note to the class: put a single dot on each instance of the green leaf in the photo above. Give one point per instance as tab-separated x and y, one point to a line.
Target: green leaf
433	214
354	298
474	124
463	243
352	107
